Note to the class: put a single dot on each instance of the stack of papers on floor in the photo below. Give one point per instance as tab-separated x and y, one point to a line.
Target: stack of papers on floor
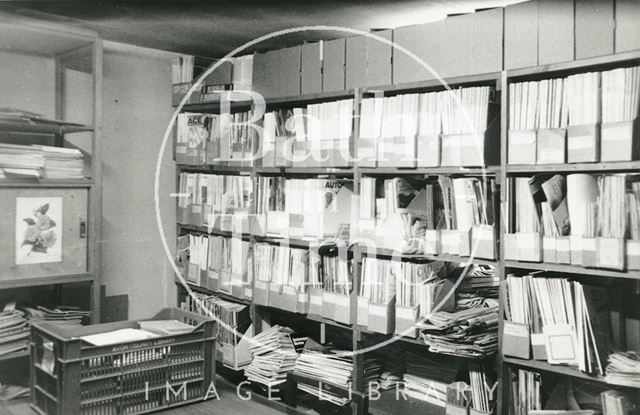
469	332
59	316
14	331
36	161
273	355
623	369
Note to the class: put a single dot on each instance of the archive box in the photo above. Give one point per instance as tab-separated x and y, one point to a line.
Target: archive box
45	232
406	318
620	141
432	244
450	241
261	292
236	354
633	255
213	279
283	151
516	340
529	247
276	73
333	65
610	253
342	309
428	148
511	247
575	247
381	318
311	68
397	151
315	301
328	305
289	298
483	241
588	254
551	146
522	147
583	143
549	249
70	376
563	250
363	311
475	149
367	149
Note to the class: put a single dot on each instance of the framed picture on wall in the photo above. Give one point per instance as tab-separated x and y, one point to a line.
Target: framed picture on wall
38	230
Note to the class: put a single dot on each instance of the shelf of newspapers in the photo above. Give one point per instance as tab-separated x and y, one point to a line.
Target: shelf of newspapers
312	136
448	218
235	328
449	128
225	139
330	285
583	118
217	263
220	202
576	219
564	326
317	210
417	300
281	277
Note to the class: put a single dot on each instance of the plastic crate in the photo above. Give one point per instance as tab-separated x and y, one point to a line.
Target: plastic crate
70	376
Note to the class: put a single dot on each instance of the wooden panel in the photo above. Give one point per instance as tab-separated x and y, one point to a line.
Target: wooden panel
627	36
594	28
379	60
66	230
333	65
311	68
405	68
555	31
521	35
276	73
356	62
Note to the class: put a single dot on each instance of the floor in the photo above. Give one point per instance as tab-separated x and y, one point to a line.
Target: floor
229	404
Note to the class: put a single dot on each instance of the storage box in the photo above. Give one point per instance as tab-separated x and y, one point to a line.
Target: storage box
451	409
130	376
620	141
522	146
482	149
633	255
516	340
363	311
328	305
552	146
311	68
428	148
333	65
511	247
464	248
538	346
64	247
381	317
483	242
283	153
258	224
213	280
276	73
285	297
549	250
589	249
261	292
193	273
179	91
563	250
315	301
575	246
196	216
397	152
450	241
610	253
406	318
342	309
583	143
432	244
529	247
367	152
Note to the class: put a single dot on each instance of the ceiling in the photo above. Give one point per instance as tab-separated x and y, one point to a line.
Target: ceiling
213	28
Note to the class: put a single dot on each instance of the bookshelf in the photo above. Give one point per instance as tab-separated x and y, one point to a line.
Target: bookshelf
72	54
501	170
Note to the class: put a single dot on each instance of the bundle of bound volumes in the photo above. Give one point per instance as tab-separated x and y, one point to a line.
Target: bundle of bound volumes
273	356
37	161
525	390
567	322
14	330
471	332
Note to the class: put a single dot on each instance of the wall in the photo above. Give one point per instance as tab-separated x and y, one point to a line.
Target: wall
136	112
27	83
